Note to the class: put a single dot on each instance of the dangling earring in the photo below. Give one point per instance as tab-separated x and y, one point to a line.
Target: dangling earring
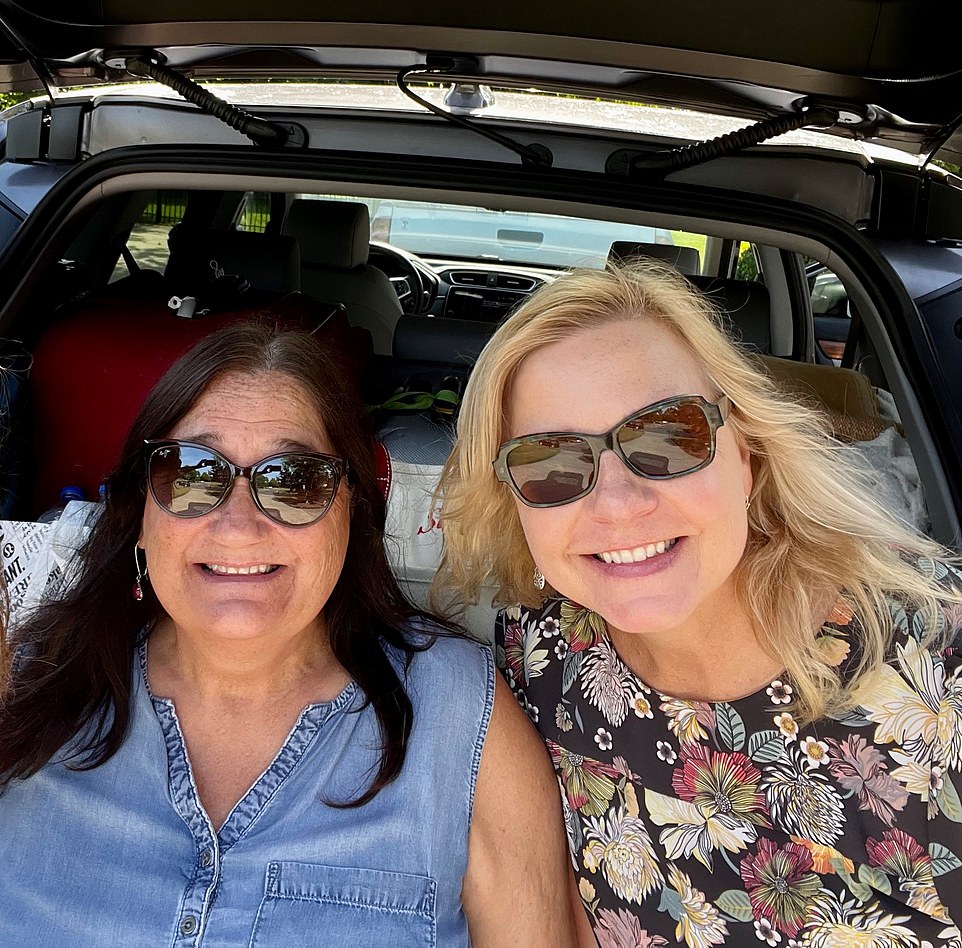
538	578
141	576
748	501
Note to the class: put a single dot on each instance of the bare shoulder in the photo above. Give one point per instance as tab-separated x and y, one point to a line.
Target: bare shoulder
517	887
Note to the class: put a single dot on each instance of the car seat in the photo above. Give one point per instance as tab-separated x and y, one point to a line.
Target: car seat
684	259
334	239
94	366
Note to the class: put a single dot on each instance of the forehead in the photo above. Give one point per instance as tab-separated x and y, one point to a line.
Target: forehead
264	407
597	376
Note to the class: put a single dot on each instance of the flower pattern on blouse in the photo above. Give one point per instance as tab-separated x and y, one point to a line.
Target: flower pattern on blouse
729	823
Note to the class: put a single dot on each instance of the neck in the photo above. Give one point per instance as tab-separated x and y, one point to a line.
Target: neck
716	658
182	661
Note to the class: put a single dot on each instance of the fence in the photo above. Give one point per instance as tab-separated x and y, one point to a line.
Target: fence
168	207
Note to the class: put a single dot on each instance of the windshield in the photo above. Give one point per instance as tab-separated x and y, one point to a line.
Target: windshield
456	231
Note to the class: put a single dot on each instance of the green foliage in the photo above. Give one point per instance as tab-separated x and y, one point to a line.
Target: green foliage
954	169
747	269
12	98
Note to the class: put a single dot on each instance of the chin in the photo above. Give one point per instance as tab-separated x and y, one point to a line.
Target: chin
239	624
645	619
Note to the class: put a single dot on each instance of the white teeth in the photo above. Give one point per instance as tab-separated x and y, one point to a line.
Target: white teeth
239	570
638	554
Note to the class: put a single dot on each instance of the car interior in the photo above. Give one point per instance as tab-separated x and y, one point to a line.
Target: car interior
141	274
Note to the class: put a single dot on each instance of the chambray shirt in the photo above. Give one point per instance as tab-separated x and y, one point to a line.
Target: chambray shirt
124	855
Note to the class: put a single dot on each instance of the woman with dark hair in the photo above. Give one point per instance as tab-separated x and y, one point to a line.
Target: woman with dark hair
234	729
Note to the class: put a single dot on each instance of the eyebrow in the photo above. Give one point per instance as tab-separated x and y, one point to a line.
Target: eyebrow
283	446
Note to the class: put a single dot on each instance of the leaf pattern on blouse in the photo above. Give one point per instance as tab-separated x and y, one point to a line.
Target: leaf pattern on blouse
728	823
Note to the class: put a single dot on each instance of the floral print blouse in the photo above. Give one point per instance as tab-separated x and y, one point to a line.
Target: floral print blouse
728	823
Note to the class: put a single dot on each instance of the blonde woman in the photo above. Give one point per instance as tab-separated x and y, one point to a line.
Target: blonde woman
738	661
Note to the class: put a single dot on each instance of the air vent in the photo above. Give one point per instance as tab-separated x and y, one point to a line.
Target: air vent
520	283
468	278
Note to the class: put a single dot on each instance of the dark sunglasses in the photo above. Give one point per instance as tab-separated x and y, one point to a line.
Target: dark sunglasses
293	488
668	439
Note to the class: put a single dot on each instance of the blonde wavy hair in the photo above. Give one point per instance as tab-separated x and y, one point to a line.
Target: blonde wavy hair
815	532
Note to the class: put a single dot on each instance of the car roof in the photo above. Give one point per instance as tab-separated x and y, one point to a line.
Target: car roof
891	68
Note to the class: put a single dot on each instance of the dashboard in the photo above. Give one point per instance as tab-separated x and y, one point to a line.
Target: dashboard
483	292
457	289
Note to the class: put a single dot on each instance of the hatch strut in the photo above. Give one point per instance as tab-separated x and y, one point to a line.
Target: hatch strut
687	156
36	63
258	130
532	156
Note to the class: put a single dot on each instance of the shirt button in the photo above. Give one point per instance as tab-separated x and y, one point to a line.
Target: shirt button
206	859
188	926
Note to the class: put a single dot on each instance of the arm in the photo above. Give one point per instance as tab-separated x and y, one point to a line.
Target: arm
518	888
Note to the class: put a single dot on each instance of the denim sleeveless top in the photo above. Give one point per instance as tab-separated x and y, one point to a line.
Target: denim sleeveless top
125	855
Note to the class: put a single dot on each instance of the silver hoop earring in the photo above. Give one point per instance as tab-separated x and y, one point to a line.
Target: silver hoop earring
141	576
538	578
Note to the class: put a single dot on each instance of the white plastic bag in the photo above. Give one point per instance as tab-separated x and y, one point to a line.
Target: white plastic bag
39	558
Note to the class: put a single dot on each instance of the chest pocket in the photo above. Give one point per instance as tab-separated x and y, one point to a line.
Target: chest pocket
329	906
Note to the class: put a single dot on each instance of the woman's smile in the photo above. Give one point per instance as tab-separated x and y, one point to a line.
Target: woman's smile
219	569
637	554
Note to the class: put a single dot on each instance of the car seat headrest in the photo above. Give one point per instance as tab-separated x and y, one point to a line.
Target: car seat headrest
747	306
684	259
330	233
268	262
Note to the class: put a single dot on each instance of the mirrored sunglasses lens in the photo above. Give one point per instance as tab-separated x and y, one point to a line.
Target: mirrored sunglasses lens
187	481
666	442
551	470
295	489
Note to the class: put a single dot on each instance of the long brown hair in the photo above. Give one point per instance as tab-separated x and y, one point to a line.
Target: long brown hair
70	683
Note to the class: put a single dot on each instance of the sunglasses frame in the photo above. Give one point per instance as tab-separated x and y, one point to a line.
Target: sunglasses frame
716	413
342	471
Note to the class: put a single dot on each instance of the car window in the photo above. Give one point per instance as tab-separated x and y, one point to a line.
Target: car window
465	232
830	310
254	213
747	267
147	243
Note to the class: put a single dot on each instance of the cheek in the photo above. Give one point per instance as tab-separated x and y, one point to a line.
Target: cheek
544	530
155	535
327	552
720	510
161	544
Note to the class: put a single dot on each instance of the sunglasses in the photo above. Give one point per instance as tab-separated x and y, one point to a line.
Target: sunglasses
668	439
293	488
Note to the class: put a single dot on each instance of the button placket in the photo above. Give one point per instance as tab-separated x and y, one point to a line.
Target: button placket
199	894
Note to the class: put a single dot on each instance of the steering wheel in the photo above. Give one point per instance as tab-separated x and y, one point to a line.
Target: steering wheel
414	282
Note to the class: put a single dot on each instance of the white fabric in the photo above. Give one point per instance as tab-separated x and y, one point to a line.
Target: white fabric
412	529
893	469
41	557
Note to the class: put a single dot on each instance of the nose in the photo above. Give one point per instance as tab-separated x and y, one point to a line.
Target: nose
239	513
619	491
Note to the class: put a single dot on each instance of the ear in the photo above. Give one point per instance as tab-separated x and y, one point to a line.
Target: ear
748	478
